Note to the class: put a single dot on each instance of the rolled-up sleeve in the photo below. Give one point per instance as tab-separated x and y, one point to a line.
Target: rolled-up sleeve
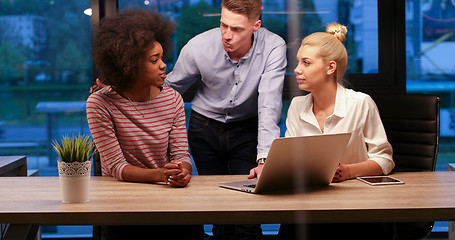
378	147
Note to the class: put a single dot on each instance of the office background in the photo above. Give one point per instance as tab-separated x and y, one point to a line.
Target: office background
46	68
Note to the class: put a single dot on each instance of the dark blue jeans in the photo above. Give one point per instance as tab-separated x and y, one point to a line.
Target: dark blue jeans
225	149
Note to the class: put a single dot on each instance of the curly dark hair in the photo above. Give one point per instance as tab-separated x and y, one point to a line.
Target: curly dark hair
123	41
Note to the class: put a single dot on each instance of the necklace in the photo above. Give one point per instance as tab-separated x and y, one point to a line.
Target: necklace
134	105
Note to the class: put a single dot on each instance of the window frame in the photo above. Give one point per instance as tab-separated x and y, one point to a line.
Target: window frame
392	35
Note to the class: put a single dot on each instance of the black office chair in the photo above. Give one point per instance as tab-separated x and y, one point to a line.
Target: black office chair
96	164
411	122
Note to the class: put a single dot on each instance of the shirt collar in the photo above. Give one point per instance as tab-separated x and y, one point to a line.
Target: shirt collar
307	108
340	105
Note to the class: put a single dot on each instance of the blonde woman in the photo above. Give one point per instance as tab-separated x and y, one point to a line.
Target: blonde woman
332	108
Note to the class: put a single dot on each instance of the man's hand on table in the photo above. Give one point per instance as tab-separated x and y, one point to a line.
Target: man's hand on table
256	172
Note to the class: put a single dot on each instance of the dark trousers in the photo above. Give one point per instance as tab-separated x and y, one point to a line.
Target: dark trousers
225	149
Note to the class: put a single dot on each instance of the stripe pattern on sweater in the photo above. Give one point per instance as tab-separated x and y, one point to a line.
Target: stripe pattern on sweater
143	134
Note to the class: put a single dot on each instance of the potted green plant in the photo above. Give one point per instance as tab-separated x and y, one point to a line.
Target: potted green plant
74	167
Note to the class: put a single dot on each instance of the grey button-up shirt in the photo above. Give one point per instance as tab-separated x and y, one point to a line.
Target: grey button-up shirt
230	91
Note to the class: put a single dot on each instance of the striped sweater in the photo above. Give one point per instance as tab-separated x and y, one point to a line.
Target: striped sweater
143	134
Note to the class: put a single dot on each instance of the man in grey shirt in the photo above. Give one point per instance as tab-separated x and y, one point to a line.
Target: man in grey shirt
236	109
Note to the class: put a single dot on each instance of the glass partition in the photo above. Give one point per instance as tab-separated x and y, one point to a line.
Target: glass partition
292	20
46	66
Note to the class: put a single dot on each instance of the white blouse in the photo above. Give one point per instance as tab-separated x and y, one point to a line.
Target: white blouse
354	112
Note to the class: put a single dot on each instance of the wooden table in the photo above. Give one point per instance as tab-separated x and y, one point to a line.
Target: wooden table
424	196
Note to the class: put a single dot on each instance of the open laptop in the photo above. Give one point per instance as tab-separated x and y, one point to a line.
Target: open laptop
297	163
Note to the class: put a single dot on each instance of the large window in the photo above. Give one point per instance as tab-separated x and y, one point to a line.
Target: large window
45	72
45	68
295	19
430	41
292	21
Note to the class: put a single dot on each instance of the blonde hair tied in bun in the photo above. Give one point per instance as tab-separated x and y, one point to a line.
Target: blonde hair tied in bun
337	30
330	48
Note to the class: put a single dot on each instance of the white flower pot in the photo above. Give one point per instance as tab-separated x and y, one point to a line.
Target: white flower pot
74	181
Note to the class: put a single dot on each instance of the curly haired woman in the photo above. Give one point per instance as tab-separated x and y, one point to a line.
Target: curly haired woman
137	124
